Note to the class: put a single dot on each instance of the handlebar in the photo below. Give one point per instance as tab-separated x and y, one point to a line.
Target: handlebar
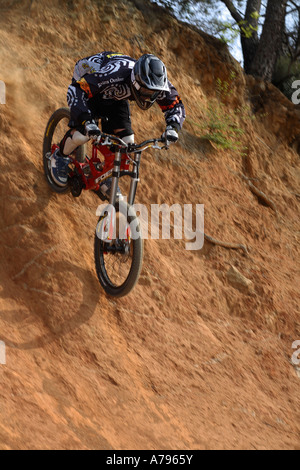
108	140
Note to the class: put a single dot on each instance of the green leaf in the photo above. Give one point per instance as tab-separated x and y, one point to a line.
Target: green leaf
255	15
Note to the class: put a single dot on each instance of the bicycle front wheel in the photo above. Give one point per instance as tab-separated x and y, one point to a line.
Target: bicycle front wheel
119	261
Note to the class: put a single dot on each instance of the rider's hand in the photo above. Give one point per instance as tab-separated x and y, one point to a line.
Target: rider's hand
170	134
91	129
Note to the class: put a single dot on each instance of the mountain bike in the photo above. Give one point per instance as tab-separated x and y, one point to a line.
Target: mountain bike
118	254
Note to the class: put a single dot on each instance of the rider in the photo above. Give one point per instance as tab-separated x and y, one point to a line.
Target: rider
102	84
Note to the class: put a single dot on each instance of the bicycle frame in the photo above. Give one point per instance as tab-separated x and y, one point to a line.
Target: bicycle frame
117	160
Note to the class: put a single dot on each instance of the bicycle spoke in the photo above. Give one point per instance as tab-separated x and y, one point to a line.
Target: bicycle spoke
117	267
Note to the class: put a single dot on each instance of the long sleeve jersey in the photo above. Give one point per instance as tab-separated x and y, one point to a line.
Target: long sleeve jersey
108	74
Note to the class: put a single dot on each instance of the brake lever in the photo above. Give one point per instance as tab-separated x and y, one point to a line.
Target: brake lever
166	146
156	146
107	141
96	139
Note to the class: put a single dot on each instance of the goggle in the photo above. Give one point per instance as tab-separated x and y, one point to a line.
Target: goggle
148	95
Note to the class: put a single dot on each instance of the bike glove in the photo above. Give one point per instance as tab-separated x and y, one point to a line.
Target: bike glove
91	129
170	134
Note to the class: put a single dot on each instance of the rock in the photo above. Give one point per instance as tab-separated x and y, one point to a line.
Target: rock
238	281
145	280
157	295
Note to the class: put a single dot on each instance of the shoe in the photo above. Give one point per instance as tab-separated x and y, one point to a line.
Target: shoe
59	168
105	188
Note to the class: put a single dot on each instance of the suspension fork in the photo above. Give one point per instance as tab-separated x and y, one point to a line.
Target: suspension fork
134	179
115	178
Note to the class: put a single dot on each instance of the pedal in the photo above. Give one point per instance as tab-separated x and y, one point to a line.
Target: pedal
76	186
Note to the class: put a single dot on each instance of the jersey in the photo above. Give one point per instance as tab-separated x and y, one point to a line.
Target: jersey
108	75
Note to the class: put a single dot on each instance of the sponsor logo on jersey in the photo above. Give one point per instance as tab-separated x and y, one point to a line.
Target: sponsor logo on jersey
85	87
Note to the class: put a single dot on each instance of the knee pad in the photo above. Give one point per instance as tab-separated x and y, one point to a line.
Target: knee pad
127	132
71	141
128	139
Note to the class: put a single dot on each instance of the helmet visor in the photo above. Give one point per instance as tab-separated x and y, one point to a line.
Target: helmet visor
143	96
145	101
148	95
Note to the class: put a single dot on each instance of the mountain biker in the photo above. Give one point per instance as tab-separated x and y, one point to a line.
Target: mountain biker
103	85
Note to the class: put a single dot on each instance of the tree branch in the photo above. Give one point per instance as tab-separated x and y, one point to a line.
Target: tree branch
292	11
234	246
295	4
233	11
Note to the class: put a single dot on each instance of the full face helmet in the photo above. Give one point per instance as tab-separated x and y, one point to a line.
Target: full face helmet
148	80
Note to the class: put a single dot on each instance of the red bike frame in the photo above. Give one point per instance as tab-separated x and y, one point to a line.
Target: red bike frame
92	177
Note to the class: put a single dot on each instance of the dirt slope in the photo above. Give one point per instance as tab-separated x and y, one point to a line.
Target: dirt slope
187	361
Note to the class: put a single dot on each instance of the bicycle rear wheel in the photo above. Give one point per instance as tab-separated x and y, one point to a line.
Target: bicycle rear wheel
119	262
55	130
